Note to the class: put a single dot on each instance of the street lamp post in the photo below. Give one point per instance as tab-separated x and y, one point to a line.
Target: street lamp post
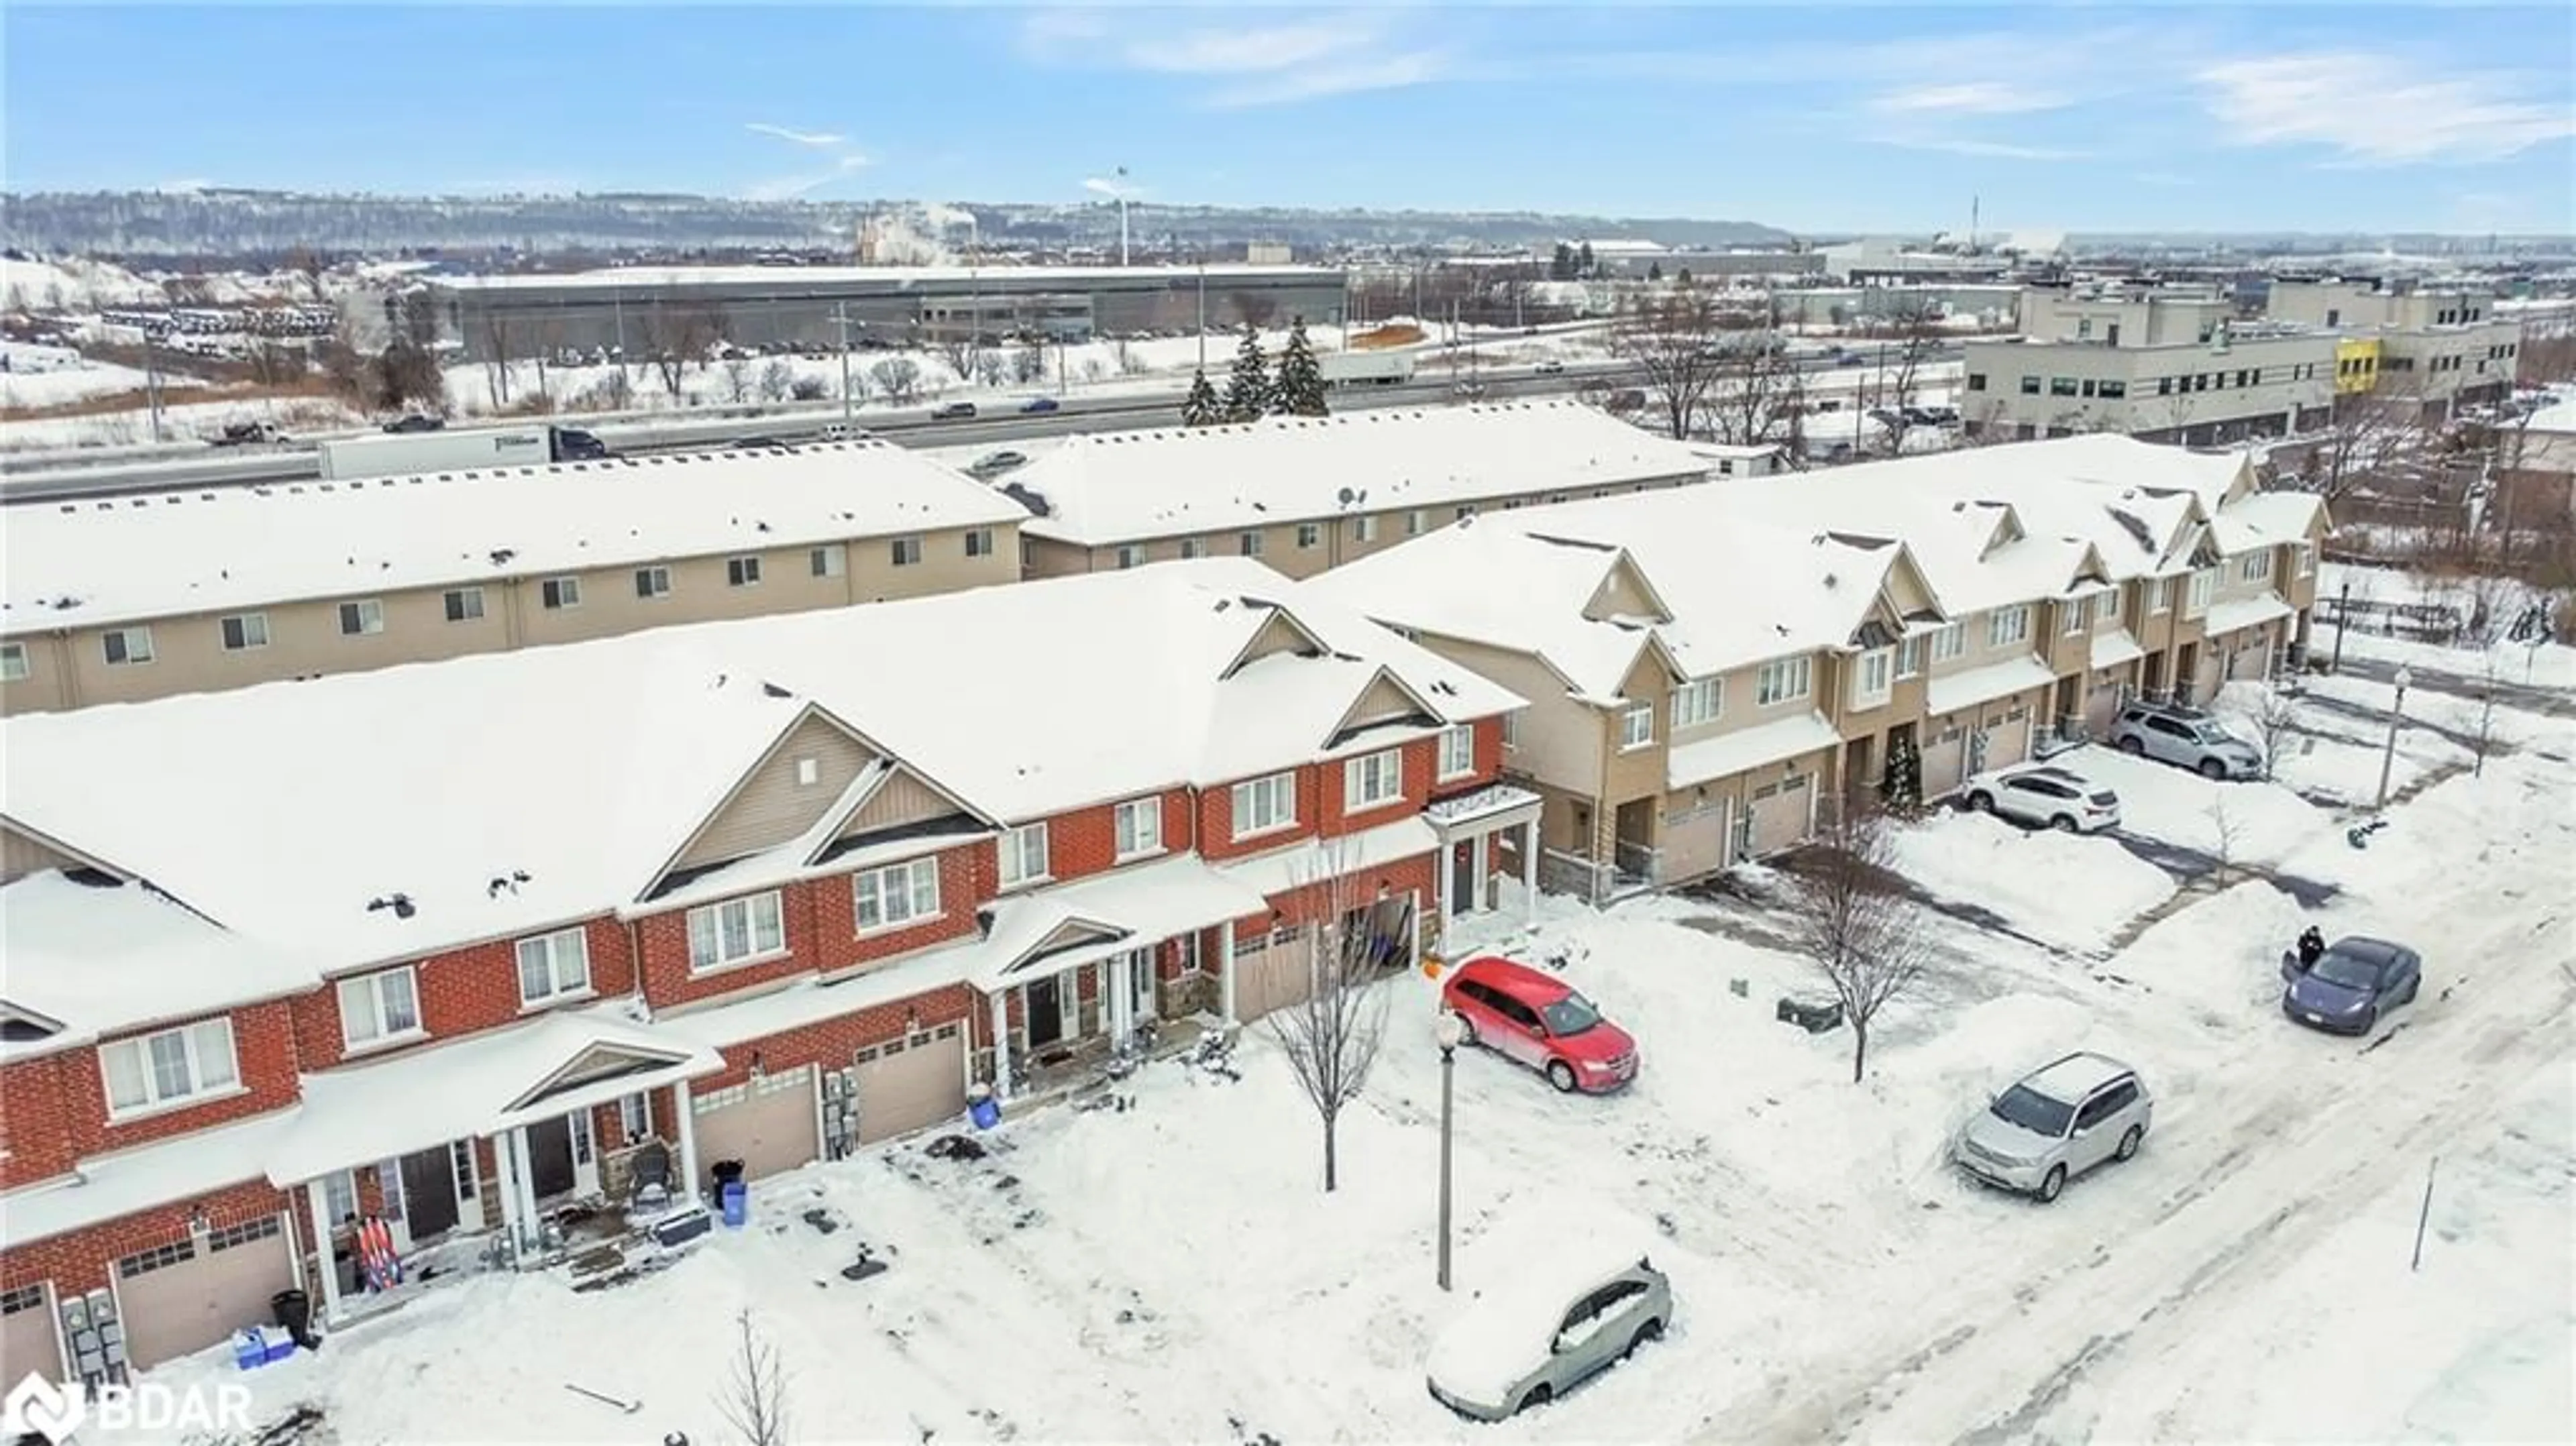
1449	1031
2388	759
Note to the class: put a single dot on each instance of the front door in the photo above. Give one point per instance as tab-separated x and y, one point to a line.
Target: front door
550	1168
2186	671
429	1192
1462	878
1045	1011
1140	977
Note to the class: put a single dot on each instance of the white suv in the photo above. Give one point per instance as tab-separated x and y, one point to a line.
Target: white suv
2084	1110
2047	796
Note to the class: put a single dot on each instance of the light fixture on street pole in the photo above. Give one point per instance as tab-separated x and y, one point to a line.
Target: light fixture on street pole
1449	1031
2388	760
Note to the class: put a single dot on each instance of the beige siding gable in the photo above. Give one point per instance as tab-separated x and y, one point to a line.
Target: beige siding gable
1625	593
783	796
1904	590
21	856
1384	700
903	799
1071	934
1280	632
598	1062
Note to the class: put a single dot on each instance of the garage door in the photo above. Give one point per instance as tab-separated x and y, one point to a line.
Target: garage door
27	1342
1943	758
2253	661
767	1123
191	1294
2205	674
2008	742
1780	814
2101	707
912	1084
1694	842
1278	973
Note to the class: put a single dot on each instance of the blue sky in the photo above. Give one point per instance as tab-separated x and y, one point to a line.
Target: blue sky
2361	115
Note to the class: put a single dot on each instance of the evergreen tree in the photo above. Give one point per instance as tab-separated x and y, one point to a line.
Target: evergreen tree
1655	271
1900	787
1583	263
1247	391
1200	408
1560	267
1300	389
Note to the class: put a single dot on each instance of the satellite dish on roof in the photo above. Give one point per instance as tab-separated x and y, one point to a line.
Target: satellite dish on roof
1344	497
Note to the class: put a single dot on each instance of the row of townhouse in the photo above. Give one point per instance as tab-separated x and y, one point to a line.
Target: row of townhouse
1307	494
1706	667
459	944
125	599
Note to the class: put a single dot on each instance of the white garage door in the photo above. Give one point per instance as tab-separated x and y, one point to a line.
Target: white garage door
1780	814
28	1345
2253	661
1943	759
191	1294
767	1123
1694	842
1277	973
2008	742
2205	673
912	1084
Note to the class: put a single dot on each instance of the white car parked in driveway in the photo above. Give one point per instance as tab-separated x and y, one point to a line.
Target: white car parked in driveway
2045	795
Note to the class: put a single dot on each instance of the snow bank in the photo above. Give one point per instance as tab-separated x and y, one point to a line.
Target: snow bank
2070	890
2175	806
1525	1269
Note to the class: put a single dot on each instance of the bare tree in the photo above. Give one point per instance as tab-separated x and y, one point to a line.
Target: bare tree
1673	338
2224	832
898	379
1331	1036
1913	332
964	355
737	379
2273	721
1850	915
776	380
755	1400
498	341
2482	733
677	335
2370	432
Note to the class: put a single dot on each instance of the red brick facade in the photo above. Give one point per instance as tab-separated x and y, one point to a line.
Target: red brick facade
464	991
84	1260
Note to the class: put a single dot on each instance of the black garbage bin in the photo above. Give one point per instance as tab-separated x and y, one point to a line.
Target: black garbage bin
294	1312
722	1173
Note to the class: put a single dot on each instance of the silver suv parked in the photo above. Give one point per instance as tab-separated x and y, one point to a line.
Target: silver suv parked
2082	1111
2186	737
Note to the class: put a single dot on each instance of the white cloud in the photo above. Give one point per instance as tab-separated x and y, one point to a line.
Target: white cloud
1980	97
2378	109
1338	54
1989	150
819	140
1350	77
1244	52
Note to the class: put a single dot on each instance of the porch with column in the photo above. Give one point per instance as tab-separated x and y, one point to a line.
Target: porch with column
1479	822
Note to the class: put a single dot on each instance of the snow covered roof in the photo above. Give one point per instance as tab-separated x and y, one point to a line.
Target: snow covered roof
1955	691
2267	519
1725	591
2230	614
1111	487
1059	928
501	794
478	1085
1284	870
87	960
86	563
381	816
105	1187
2558	416
1729	754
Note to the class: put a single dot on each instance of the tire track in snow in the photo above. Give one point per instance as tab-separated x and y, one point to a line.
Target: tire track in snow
2448	1067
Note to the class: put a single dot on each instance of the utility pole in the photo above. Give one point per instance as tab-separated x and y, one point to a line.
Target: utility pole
1202	306
841	319
152	384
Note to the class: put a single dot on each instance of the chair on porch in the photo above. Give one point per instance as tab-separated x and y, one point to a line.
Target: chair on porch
649	1177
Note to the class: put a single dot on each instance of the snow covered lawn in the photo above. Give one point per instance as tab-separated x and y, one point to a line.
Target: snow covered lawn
2069	890
1172	1271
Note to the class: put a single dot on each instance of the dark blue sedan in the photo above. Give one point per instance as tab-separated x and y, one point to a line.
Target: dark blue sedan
2352	984
1038	404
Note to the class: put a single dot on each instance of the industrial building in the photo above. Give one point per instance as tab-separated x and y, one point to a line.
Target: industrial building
646	310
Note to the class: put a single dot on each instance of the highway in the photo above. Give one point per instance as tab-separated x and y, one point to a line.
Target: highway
59	477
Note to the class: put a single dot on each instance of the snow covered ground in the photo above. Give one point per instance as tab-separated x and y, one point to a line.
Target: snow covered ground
45	376
1172	1271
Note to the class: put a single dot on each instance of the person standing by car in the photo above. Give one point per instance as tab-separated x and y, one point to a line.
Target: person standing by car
2312	947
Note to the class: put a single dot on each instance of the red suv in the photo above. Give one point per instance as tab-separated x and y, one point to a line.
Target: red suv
1539	1020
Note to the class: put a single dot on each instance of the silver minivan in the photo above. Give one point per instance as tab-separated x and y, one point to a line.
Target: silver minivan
2082	1111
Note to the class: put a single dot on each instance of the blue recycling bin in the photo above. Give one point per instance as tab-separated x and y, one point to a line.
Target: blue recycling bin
986	1112
737	1204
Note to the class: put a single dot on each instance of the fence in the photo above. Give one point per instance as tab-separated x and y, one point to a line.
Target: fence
2430	622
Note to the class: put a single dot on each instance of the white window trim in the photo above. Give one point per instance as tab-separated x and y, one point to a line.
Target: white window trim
2197	595
2159	596
566	590
1268	783
1387	766
383	1038
1014	856
1465	732
249	644
714	914
897	547
1629	740
197	1095
1150	810
463	605
1310	535
1950	643
979	542
371	617
1909	657
654	582
1797	680
1714	689
14	666
635	1116
829	559
556	994
908	879
132	658
2306	565
2019	616
743	570
1865	696
1130	555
